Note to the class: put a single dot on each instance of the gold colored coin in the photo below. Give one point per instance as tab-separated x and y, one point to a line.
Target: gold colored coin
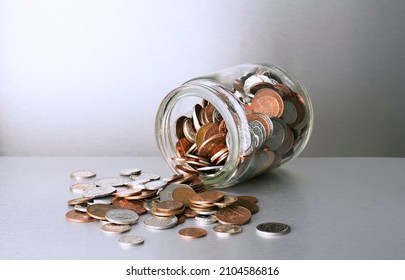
79	200
206	197
236	215
183	195
99	210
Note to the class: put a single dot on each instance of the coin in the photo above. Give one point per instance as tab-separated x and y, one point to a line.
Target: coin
269	102
206	197
208	146
114	228
183	195
227	229
98	211
128	192
236	215
278	136
250	198
134	205
154	222
169	206
78	217
144	194
191	233
129	172
82	174
155	185
206	219
81	208
252	207
110	182
122	216
79	200
99	192
273	229
226	201
130	241
80	187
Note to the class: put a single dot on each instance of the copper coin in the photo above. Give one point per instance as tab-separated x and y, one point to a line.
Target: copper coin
209	112
189	213
78	217
285	90
128	192
135	205
236	215
169	206
208	146
269	102
183	145
79	200
179	127
252	207
183	195
181	219
250	198
154	211
227	201
99	210
185	169
191	233
207	197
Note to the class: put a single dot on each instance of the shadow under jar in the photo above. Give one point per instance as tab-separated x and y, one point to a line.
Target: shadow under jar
234	124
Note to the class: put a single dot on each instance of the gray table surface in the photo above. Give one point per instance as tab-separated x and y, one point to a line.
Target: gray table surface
338	208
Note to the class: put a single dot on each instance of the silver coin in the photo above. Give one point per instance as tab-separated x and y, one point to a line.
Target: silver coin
104	200
155	185
273	229
258	133
251	81
130	240
278	136
210	169
82	174
129	172
99	192
80	207
206	219
227	229
148	205
204	212
80	187
166	192
196	112
122	216
135	185
154	222
111	228
290	113
111	182
145	177
245	141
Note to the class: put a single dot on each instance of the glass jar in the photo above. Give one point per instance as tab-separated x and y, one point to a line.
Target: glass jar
234	124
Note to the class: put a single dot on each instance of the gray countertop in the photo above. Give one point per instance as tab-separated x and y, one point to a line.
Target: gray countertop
338	208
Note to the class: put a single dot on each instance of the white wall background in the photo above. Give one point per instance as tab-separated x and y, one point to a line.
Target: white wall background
86	77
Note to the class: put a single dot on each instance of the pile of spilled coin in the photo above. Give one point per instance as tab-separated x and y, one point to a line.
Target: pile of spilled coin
119	201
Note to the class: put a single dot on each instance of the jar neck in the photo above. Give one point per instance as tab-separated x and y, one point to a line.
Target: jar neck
238	136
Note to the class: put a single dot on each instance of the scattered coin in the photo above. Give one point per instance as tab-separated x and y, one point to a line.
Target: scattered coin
273	229
78	217
122	216
155	185
99	192
129	172
250	198
128	192
111	182
80	187
206	219
183	195
154	222
79	200
135	205
130	241
252	207
81	208
98	211
192	233
236	215
227	229
111	228
82	174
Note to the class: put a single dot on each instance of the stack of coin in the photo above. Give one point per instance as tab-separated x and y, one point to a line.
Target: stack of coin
277	120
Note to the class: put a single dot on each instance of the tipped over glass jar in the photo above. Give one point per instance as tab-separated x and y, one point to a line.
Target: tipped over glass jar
234	124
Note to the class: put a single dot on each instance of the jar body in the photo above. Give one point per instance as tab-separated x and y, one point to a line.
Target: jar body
234	124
